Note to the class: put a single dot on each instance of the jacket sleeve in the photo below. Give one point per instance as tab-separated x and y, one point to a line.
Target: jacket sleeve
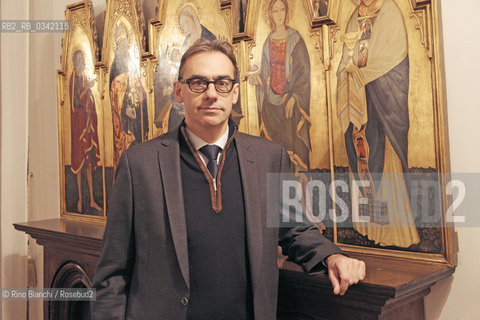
113	274
303	243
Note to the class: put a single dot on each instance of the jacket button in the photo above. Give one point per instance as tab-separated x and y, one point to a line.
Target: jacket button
184	301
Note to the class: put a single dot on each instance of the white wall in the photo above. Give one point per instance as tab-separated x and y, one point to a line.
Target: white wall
28	104
457	298
14	129
43	183
29	133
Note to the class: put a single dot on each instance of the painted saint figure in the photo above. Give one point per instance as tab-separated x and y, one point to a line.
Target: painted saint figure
165	105
194	30
373	84
85	156
283	88
127	97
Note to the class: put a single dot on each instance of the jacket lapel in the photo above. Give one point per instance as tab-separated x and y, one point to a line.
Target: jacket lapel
169	161
253	216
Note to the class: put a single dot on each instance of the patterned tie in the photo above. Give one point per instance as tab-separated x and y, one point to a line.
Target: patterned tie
211	152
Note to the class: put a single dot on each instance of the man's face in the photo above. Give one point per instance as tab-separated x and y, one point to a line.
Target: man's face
207	110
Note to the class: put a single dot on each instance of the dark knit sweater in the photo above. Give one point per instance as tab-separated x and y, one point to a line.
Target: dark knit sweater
219	276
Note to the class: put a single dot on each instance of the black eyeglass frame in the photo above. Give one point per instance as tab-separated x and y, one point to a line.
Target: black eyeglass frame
189	80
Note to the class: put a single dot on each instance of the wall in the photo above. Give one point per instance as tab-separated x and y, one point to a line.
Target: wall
44	59
28	105
14	130
457	298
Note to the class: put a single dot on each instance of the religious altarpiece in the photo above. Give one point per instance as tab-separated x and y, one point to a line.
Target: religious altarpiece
353	90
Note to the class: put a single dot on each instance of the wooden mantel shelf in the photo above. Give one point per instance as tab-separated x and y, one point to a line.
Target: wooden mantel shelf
387	276
393	288
65	233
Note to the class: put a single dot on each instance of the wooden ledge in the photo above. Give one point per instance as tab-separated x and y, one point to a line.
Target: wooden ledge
65	233
392	289
389	276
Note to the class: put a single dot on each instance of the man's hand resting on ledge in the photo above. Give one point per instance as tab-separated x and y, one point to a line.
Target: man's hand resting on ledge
344	271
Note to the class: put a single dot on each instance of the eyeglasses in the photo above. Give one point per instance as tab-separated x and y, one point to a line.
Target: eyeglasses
199	85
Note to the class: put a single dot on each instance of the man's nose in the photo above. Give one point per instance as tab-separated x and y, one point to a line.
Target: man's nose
211	92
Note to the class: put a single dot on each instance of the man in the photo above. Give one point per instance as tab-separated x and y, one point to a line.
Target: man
186	236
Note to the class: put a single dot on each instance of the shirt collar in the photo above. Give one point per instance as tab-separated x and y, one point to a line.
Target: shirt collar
199	142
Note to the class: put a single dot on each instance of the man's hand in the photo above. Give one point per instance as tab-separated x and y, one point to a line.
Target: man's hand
344	271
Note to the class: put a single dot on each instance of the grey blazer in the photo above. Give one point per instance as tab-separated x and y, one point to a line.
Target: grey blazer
143	270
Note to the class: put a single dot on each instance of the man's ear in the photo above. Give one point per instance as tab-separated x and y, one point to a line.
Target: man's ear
177	88
236	91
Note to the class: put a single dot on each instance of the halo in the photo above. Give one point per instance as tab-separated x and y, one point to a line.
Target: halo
79	42
291	10
190	3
